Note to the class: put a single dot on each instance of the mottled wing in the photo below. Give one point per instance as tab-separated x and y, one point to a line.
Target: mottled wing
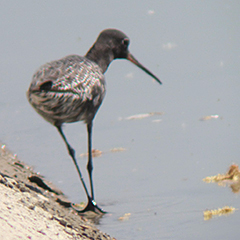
68	90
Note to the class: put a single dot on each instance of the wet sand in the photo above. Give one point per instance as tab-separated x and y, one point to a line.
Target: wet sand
31	208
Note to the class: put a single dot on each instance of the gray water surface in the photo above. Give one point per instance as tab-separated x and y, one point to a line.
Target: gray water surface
193	47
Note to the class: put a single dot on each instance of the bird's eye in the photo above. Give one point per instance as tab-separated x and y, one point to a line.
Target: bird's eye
125	42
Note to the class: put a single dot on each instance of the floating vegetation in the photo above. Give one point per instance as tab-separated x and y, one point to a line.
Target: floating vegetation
208	214
98	153
232	178
125	217
232	174
205	118
95	153
142	115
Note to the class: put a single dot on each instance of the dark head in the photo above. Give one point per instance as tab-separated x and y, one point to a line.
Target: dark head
112	44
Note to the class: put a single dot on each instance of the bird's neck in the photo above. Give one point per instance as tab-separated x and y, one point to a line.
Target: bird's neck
102	56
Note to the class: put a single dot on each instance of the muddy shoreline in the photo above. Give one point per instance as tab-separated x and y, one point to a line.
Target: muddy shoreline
32	208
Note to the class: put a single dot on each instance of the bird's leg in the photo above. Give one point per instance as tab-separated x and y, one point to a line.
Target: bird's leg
90	165
71	152
91	205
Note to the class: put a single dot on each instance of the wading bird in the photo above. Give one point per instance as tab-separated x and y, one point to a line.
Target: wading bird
72	89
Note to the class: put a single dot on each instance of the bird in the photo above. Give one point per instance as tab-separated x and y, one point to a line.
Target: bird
72	89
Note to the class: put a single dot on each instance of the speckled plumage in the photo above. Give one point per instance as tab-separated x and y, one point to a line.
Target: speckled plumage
77	90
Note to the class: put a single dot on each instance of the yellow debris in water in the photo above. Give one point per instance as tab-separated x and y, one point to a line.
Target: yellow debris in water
95	153
208	214
125	217
98	153
232	174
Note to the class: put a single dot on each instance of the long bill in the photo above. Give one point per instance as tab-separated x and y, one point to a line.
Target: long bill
132	59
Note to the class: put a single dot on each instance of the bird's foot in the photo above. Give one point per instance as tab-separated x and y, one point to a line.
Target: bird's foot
91	206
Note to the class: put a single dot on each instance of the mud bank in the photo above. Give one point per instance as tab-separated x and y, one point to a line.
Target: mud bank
30	208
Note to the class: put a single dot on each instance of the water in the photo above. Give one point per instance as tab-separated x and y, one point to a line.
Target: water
193	48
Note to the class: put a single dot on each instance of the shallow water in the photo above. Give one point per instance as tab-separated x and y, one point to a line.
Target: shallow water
194	49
